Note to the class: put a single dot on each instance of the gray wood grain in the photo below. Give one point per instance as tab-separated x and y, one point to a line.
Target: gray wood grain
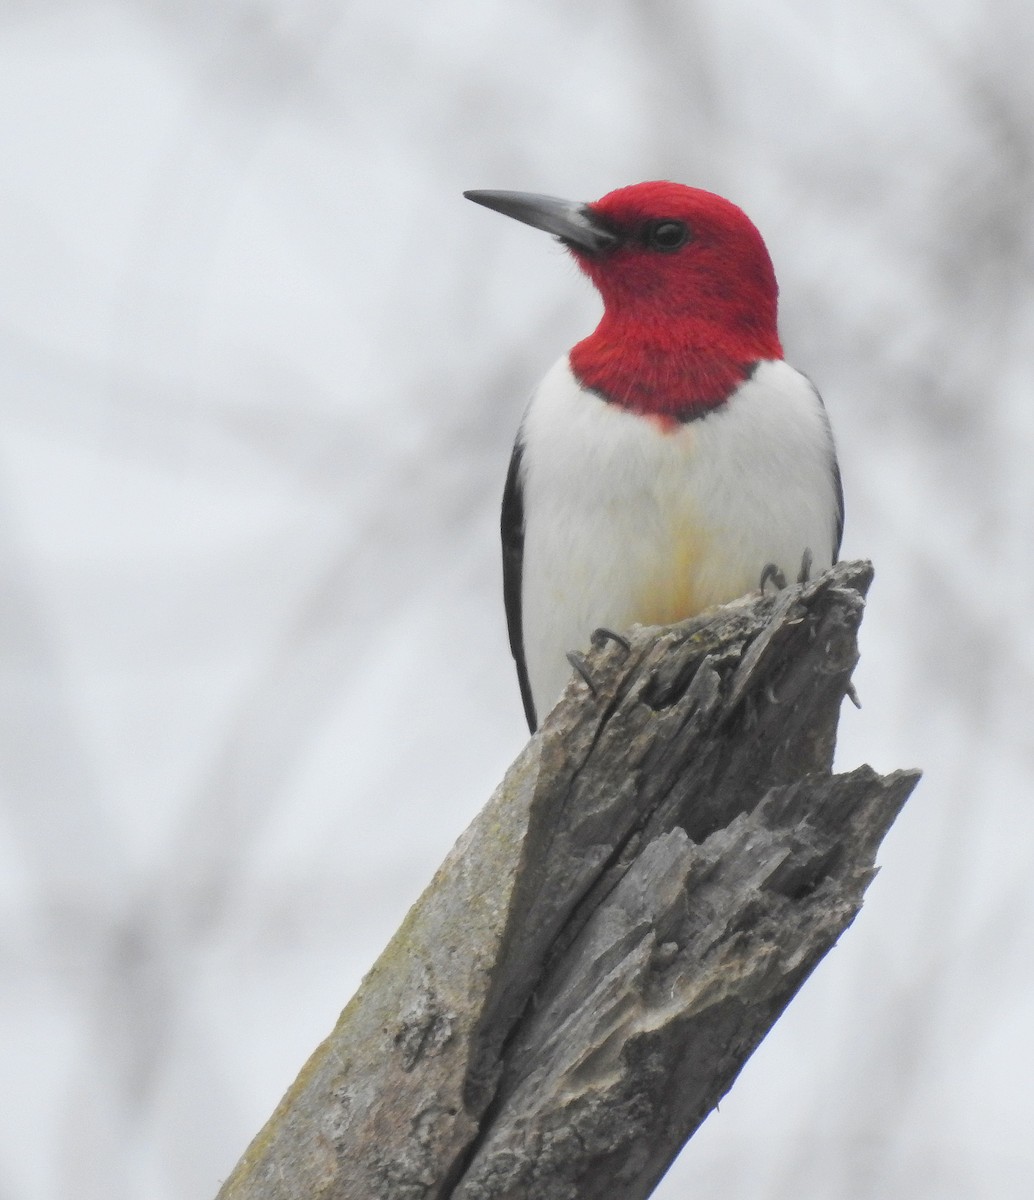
599	954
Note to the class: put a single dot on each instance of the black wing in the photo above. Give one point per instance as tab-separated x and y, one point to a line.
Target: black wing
512	529
838	487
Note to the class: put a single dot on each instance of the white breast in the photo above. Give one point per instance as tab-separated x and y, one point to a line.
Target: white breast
626	522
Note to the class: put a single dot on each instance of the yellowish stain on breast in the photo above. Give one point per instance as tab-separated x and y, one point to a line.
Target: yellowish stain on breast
672	591
688	578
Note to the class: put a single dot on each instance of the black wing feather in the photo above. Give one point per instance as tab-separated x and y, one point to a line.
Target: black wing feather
838	487
512	529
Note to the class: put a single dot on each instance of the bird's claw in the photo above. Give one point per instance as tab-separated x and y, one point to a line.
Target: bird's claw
601	635
770	574
578	662
804	574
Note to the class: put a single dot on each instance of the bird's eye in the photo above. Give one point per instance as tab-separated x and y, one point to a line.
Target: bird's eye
666	235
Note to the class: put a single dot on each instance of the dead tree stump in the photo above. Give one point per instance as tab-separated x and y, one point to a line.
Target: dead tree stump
604	947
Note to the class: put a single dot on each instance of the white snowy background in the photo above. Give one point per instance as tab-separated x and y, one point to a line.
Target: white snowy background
260	369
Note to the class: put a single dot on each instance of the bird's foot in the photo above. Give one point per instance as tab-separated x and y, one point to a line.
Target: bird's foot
578	662
601	635
804	574
770	574
598	639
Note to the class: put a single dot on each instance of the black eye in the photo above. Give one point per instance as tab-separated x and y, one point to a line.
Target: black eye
666	235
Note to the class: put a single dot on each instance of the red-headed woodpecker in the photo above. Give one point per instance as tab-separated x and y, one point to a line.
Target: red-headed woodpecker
672	457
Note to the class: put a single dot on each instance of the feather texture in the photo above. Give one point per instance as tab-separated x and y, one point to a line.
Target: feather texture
613	518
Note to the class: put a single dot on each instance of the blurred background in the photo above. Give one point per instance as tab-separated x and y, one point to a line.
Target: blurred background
260	371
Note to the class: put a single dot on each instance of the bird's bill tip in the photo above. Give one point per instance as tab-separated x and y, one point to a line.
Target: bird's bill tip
568	220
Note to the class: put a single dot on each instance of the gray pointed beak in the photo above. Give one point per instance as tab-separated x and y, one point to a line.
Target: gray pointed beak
566	219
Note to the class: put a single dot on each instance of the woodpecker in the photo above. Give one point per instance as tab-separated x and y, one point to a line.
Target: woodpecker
672	458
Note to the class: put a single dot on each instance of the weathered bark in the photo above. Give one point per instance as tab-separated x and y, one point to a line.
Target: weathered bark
607	943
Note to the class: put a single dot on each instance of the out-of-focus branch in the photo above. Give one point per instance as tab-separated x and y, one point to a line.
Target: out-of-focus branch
615	933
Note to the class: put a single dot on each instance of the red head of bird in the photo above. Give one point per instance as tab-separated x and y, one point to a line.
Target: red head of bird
688	288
